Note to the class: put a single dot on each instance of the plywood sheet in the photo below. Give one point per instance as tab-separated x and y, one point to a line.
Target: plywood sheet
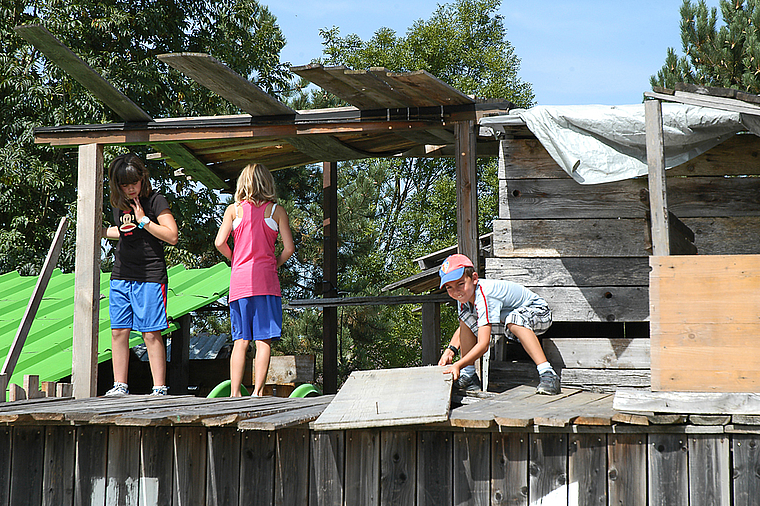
389	397
705	318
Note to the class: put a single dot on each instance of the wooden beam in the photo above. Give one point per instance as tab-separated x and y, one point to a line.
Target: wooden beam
193	167
467	191
179	365
85	75
84	370
326	148
330	276
431	332
658	199
225	82
34	304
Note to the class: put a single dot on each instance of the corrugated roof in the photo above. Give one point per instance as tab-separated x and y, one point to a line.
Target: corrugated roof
47	352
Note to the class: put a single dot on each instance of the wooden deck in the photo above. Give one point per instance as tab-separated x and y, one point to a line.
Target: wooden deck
513	447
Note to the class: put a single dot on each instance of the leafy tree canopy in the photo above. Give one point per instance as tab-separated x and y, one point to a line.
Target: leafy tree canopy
726	56
120	39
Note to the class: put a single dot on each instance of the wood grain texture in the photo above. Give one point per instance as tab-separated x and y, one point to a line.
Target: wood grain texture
435	484
627	469
509	469
362	482
704	314
398	463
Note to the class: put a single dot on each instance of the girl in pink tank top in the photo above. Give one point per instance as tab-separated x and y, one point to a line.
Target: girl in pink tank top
254	221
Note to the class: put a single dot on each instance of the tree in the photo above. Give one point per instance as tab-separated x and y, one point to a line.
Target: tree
120	39
725	57
393	210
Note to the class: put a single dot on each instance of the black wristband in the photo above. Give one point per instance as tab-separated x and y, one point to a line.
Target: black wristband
454	350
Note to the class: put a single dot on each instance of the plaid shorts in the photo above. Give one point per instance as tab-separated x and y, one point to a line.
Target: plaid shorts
537	317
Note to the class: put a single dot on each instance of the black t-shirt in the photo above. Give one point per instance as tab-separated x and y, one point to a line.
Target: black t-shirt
139	255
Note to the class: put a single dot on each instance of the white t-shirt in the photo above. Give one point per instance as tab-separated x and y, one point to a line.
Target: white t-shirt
494	300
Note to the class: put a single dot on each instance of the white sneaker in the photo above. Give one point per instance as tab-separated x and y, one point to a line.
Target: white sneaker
162	390
118	389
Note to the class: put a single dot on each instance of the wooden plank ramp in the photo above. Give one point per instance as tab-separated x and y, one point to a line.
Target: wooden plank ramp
389	397
704	403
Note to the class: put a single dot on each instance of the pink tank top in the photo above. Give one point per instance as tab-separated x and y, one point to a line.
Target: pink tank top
254	265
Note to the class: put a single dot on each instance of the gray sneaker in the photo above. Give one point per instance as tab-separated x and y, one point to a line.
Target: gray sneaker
467	383
549	384
118	389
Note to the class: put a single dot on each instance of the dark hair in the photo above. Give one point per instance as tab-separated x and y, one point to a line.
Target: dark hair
127	169
468	271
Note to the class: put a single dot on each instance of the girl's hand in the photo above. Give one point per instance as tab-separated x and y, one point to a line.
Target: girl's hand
137	208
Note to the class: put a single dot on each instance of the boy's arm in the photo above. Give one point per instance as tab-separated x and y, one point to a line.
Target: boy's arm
448	354
477	351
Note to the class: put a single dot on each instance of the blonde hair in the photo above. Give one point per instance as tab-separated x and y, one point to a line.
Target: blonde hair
255	184
127	169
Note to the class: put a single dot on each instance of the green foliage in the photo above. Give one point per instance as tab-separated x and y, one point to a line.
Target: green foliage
119	39
727	56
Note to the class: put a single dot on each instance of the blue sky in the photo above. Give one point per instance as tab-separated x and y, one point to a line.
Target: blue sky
572	52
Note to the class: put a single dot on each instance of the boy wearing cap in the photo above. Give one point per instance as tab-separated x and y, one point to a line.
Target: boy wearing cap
483	302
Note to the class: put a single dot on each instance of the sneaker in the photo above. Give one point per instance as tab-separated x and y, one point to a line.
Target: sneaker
118	389
467	383
162	390
549	384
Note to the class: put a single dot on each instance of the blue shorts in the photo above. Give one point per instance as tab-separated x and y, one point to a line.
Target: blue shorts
138	305
256	318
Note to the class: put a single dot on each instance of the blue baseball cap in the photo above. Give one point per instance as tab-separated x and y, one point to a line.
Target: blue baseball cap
453	268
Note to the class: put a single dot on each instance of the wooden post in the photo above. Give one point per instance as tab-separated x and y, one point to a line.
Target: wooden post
431	332
330	277
658	202
467	191
84	370
179	365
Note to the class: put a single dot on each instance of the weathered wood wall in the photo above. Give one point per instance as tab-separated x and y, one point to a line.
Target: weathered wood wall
109	465
584	248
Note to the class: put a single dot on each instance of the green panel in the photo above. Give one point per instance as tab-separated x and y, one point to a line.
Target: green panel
47	351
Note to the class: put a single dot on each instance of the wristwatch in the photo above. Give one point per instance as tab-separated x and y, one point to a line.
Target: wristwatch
453	350
144	221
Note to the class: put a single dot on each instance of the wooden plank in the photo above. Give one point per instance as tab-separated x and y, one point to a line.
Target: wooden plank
687	197
326	467
746	461
331	80
571	271
123	468
601	378
62	56
362	481
725	104
398	463
31	310
472	463
91	464
547	468
6	456
330	276
509	468
563	411
429	85
189	473
194	167
373	399
223	472
597	352
636	400
60	459
668	477
310	411
431	332
434	468
225	82
627	469
156	471
694	347
291	481
410	95
27	465
467	192
372	84
86	324
383	300
586	468
710	472
257	464
494	408
520	411
326	148
596	304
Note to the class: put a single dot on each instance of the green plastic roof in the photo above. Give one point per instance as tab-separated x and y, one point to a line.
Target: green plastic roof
47	351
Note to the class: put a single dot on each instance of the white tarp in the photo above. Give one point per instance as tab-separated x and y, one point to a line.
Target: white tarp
600	143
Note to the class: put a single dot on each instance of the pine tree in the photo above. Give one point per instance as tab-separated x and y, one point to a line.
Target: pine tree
727	56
